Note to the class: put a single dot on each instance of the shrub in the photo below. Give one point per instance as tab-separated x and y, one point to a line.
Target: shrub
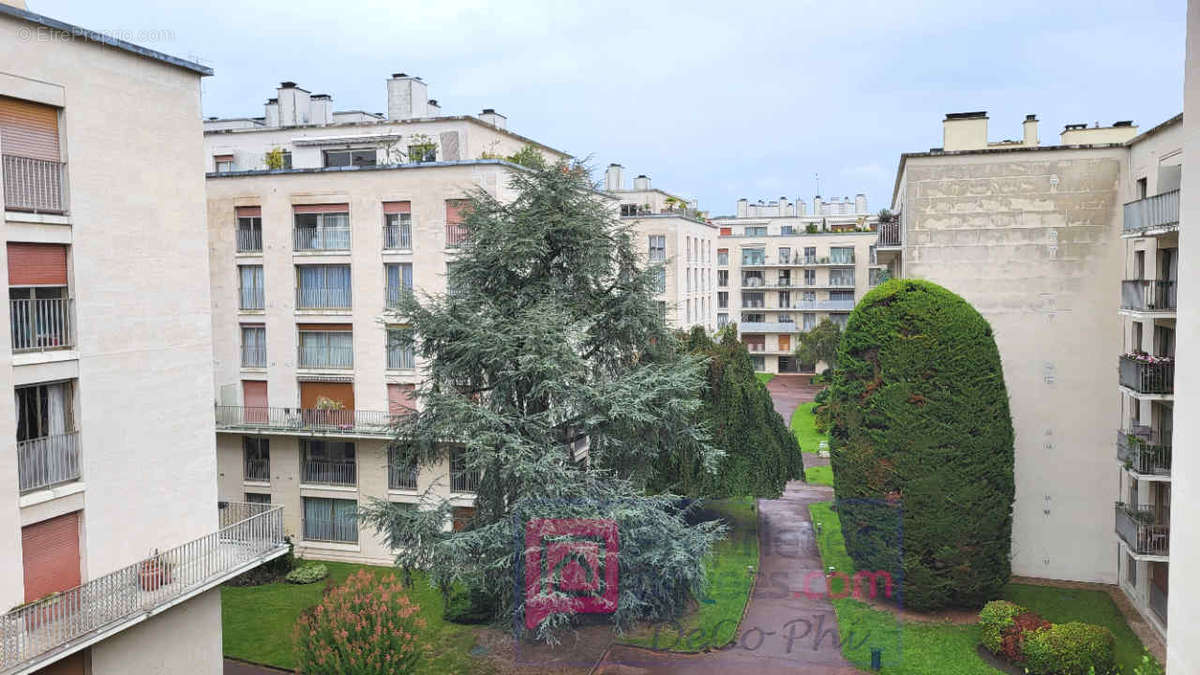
470	605
307	574
922	445
996	617
1072	648
268	573
367	626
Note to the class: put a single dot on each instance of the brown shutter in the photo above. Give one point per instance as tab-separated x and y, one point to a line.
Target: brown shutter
320	208
326	327
397	207
400	399
455	210
50	553
254	394
334	391
29	129
37	265
249	211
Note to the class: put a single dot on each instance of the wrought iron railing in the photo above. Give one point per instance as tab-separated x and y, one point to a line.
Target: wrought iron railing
1160	212
393	295
889	235
41	324
322	238
34	185
300	420
1137	527
254	356
257	470
251	297
456	234
1146	377
249	241
401	476
1147	295
323	297
47	461
329	472
1144	451
397	237
464	481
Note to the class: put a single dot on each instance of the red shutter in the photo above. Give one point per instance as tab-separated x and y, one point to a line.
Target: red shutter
29	129
37	265
726	230
343	392
400	399
320	208
455	209
50	553
249	212
254	394
325	327
397	207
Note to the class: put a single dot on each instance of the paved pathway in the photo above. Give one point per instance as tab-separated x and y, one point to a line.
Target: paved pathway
784	631
788	392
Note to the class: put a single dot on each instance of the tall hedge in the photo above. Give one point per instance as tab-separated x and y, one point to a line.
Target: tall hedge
761	453
922	445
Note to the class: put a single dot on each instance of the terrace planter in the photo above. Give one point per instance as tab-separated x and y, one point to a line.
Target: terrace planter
153	574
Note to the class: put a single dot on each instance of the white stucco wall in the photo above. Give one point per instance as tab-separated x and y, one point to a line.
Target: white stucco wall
168	644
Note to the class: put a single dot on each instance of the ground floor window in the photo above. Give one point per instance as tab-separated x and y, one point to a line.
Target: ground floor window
258	498
331	520
760	362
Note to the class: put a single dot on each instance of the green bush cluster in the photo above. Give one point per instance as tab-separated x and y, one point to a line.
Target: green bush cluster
921	445
307	574
1043	648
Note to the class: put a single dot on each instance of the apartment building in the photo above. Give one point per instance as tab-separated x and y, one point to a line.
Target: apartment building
318	221
677	235
114	541
1070	251
782	270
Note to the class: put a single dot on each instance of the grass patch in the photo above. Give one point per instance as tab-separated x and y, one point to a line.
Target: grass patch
819	475
803	425
939	647
765	377
257	621
712	622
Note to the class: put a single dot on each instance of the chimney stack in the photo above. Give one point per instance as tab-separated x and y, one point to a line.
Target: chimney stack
613	178
1029	127
965	131
433	108
294	104
494	118
743	208
408	97
271	112
641	183
321	106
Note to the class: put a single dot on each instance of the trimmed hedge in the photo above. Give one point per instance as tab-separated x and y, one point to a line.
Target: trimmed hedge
307	574
1043	648
922	445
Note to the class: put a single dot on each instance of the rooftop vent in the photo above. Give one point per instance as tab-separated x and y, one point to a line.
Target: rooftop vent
1031	118
287	85
399	74
433	101
966	115
1123	123
1075	126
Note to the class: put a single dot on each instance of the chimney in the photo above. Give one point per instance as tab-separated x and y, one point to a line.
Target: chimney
860	203
964	131
613	178
641	183
494	118
743	208
294	104
321	107
1081	134
1029	126
433	108
271	112
408	97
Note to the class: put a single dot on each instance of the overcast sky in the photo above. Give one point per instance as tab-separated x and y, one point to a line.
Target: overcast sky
713	100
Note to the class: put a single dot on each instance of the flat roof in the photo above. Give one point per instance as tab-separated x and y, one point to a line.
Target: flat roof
101	38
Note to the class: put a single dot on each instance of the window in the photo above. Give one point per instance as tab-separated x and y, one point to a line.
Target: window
785	255
841	277
397	226
629	209
722	320
258	498
40	317
809	296
326	348
842	296
840	320
360	157
254	346
722	257
399	350
223	163
462	479
660	281
785	317
753	279
456	232
756	231
256	459
402	475
810	254
722	278
327	462
422	152
722	299
331	520
753	317
249	229
688	305
753	299
322	227
322	286
785	278
760	362
753	256
401	398
662	309
755	343
785	299
810	321
250	287
810	277
841	255
786	230
287	159
658	248
399	282
44	410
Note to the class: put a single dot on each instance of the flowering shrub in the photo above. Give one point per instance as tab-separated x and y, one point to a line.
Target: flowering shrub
1043	648
365	626
1143	357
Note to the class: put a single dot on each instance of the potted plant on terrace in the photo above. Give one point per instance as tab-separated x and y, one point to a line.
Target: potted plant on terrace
153	573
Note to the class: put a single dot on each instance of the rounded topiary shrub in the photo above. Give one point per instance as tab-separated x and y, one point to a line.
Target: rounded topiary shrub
922	445
1072	648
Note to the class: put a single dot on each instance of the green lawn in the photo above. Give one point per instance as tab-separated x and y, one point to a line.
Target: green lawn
806	432
819	475
257	621
936	647
714	620
764	377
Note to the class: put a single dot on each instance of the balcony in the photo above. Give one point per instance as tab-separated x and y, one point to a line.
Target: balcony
1137	528
231	418
824	306
322	238
256	470
456	234
249	241
34	185
329	472
889	235
401	476
397	237
254	356
770	327
1145	295
48	461
44	631
325	357
1153	215
1158	602
393	295
41	324
1144	452
1144	374
323	297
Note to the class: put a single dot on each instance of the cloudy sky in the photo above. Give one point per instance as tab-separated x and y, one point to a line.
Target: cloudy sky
714	100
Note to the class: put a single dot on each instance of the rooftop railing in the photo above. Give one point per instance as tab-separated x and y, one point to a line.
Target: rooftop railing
41	324
303	420
1144	452
47	461
1160	212
1147	376
1137	528
34	185
41	632
1145	295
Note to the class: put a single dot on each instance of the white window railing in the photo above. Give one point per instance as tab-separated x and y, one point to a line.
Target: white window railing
40	324
49	460
34	185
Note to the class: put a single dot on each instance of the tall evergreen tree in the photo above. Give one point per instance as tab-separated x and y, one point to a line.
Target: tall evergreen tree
548	335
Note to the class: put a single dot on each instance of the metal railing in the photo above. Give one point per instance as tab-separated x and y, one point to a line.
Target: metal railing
456	234
49	460
251	298
1145	377
257	470
31	634
401	477
1137	528
400	358
41	324
889	235
322	297
1144	452
249	241
464	481
1147	295
322	238
254	356
394	294
1158	602
770	327
397	237
34	185
329	472
298	420
322	356
1160	212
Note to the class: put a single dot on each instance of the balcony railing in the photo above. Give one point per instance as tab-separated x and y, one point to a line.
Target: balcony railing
1145	295
38	633
34	185
1146	377
302	420
770	327
394	294
254	356
1144	452
249	241
1158	602
329	472
314	297
397	237
47	461
400	359
1137	528
257	470
251	298
456	234
464	481
889	235
401	477
41	324
1160	212
322	239
333	358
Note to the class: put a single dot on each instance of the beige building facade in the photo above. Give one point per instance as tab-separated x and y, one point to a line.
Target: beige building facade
113	538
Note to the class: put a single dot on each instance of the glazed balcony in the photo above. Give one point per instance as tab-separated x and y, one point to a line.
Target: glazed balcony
1137	527
1153	215
1144	452
1146	295
44	631
307	421
35	185
1144	374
